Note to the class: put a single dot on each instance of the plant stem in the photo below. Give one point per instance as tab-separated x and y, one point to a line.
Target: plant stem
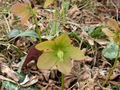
37	28
33	12
113	67
62	12
62	82
36	23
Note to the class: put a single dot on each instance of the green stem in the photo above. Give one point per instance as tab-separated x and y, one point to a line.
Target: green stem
37	28
36	24
62	82
63	12
113	67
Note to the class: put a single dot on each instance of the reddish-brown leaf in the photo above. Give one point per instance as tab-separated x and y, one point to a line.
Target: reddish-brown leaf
33	54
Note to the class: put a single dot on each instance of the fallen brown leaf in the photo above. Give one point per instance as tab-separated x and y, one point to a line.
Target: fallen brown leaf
7	79
10	73
28	81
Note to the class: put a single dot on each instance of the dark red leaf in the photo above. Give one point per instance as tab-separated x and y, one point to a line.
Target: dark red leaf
33	54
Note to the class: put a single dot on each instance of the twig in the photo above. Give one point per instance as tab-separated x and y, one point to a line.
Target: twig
7	24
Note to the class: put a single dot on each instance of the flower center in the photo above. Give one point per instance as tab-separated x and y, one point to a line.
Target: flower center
60	55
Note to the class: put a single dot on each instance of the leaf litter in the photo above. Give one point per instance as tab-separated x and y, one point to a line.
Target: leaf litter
87	74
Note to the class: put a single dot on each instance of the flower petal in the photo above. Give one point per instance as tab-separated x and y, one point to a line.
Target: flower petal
74	53
63	40
45	45
65	67
47	60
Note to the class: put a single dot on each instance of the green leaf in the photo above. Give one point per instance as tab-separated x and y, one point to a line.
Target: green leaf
17	33
30	33
111	51
54	28
8	85
98	34
11	86
89	29
14	33
21	64
21	76
66	5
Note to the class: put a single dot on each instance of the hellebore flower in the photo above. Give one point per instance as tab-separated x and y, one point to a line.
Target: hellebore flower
58	53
